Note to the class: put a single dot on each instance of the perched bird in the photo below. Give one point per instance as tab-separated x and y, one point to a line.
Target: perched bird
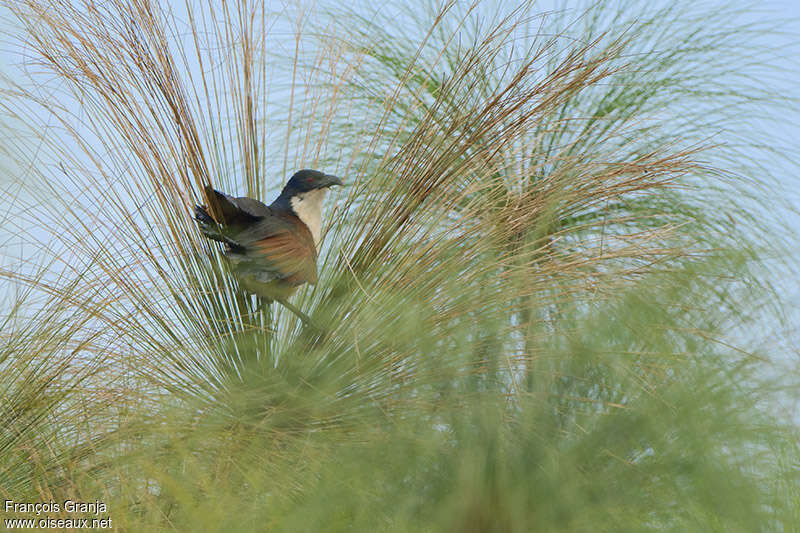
272	250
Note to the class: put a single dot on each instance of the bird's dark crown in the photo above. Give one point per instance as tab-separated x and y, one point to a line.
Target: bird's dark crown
309	180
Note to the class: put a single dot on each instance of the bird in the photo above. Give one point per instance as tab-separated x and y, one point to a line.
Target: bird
271	249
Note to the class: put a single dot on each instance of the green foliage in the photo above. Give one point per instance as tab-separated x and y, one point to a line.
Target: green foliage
533	288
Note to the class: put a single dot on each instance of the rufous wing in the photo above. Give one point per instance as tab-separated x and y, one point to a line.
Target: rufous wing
278	247
292	254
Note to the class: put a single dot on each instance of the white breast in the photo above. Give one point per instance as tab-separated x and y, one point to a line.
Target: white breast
308	208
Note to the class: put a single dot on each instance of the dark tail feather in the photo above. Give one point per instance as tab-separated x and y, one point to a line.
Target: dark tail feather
224	209
202	216
207	224
212	230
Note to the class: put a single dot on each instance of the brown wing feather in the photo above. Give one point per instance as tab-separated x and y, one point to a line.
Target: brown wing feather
293	254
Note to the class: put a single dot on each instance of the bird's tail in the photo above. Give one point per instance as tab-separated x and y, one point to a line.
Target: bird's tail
226	210
208	226
223	218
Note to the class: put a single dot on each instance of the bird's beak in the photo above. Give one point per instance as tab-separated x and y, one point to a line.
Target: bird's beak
331	180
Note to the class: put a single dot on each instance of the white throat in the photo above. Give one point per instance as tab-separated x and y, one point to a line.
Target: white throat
308	208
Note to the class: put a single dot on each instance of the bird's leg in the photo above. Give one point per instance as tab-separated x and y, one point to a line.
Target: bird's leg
304	318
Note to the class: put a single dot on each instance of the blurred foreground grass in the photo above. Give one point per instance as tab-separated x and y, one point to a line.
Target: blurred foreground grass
542	288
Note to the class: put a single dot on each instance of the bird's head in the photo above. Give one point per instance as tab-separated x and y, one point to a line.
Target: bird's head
304	194
309	180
